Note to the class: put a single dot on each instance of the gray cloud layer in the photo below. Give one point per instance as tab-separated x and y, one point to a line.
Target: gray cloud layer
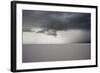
55	20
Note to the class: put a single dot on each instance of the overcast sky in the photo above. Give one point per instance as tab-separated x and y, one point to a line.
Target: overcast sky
65	27
55	20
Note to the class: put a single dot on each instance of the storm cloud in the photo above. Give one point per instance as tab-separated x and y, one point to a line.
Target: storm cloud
55	20
60	25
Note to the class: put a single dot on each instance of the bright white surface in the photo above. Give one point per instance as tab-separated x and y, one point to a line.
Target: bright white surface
63	37
5	37
21	65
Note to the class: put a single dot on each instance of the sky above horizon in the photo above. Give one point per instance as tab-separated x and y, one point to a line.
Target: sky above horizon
56	20
57	24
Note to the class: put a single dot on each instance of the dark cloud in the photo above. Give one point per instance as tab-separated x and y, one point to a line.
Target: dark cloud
55	20
50	22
